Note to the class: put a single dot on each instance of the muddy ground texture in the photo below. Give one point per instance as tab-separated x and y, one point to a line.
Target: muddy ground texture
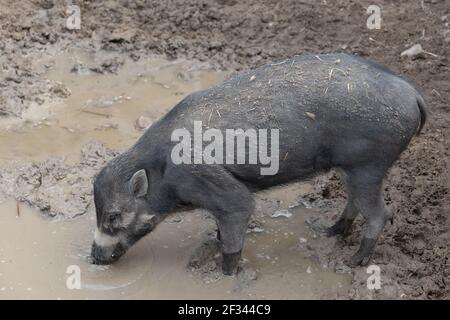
412	252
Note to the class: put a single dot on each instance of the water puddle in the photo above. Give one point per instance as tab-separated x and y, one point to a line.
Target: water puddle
101	107
37	257
36	253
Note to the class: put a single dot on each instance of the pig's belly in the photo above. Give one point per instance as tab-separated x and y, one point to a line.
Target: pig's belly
291	170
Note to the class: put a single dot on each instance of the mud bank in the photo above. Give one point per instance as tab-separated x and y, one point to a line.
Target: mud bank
54	187
413	252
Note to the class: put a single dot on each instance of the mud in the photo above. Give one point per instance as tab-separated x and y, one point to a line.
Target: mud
52	186
158	267
413	252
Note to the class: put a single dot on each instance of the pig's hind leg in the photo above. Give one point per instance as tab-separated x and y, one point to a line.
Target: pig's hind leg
365	187
343	225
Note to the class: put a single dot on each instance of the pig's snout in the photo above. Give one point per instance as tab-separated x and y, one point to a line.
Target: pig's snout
106	255
106	248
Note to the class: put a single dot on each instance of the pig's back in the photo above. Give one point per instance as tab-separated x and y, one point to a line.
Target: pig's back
317	102
308	90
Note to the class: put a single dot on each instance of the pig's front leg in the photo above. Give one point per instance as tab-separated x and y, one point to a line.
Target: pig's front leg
230	260
232	230
227	199
232	215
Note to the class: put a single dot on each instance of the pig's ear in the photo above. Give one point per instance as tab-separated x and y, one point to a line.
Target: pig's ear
139	183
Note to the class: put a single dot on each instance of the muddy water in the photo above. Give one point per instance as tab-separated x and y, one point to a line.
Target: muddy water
101	107
36	256
35	253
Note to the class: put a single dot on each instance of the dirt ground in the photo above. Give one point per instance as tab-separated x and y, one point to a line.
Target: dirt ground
237	35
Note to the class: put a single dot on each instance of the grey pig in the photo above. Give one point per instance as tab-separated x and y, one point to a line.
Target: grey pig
332	110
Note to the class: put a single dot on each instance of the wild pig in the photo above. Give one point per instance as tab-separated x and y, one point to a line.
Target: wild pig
322	111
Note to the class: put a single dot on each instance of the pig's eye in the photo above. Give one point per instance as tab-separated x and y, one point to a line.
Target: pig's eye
113	217
112	220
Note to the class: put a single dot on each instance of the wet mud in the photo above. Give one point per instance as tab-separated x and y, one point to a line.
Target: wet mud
71	99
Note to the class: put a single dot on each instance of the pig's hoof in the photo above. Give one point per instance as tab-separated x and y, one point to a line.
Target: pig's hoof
362	257
230	263
358	260
229	273
341	227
